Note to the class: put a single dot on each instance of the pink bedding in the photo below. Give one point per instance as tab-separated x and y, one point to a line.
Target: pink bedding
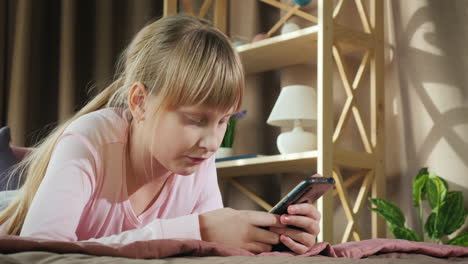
169	248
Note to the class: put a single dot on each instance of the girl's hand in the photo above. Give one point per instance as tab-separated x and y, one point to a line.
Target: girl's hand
240	229
304	216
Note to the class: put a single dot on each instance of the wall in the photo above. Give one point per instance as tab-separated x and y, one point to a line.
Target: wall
427	95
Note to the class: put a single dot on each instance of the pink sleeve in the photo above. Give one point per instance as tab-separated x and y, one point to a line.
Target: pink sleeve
63	193
210	196
181	227
67	187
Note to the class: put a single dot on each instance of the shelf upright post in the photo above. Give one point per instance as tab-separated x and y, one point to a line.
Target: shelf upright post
220	15
377	113
170	7
325	113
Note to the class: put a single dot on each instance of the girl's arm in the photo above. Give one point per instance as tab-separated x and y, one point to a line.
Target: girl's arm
66	189
181	227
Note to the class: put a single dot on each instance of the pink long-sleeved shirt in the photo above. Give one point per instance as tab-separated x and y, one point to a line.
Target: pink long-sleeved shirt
83	195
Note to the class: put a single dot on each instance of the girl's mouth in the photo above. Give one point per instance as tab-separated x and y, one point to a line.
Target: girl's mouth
196	160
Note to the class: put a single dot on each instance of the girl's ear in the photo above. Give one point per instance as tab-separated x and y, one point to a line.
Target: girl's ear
136	101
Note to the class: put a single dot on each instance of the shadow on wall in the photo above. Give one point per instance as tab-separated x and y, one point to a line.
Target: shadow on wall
432	66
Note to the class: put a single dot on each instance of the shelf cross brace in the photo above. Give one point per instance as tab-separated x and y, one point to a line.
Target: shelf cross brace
350	102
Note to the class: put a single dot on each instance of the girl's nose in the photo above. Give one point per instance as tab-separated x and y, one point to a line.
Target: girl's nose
210	141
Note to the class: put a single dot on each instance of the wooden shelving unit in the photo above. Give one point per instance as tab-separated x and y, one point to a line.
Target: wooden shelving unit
268	54
290	163
325	44
286	163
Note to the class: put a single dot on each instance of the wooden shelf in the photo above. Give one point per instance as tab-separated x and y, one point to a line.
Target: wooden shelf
298	47
283	163
294	162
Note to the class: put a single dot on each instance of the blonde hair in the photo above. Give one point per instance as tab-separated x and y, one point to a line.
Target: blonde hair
182	60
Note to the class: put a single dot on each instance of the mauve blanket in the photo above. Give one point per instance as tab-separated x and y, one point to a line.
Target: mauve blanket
177	247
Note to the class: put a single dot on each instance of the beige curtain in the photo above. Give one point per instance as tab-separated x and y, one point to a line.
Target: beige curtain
53	52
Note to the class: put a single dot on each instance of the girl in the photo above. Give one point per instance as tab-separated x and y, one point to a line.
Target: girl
137	163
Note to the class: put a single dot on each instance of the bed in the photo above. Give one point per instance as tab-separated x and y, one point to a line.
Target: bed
15	249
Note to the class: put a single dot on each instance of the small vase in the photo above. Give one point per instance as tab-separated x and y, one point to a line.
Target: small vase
224	152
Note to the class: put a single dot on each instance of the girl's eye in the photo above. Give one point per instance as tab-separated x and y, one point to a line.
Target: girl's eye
223	121
194	121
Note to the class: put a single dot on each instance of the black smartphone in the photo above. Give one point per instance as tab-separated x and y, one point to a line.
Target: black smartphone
307	191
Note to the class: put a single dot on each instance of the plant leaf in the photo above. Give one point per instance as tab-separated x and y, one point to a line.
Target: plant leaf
436	190
451	214
404	233
228	138
388	210
419	186
422	172
430	228
450	217
460	240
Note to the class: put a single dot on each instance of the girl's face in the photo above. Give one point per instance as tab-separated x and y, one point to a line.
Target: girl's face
185	137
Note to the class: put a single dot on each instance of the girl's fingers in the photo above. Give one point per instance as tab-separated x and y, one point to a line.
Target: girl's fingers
306	209
264	236
257	247
293	245
299	236
310	225
262	218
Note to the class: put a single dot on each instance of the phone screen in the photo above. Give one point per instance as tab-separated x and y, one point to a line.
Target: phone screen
307	191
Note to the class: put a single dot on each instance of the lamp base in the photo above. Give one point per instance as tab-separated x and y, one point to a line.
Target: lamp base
296	140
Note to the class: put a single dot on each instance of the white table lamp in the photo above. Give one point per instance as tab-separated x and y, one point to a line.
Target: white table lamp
296	107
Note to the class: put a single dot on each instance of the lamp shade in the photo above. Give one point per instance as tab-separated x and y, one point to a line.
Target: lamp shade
295	102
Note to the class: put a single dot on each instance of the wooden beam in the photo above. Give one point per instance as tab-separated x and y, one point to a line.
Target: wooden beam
252	196
337	11
363	191
204	9
347	233
362	129
353	37
343	70
363	67
342	120
325	113
343	194
287	8
282	21
377	113
349	88
220	15
353	179
170	7
354	159
188	7
363	15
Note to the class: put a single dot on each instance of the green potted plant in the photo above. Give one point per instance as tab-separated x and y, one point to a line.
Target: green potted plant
225	149
447	215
